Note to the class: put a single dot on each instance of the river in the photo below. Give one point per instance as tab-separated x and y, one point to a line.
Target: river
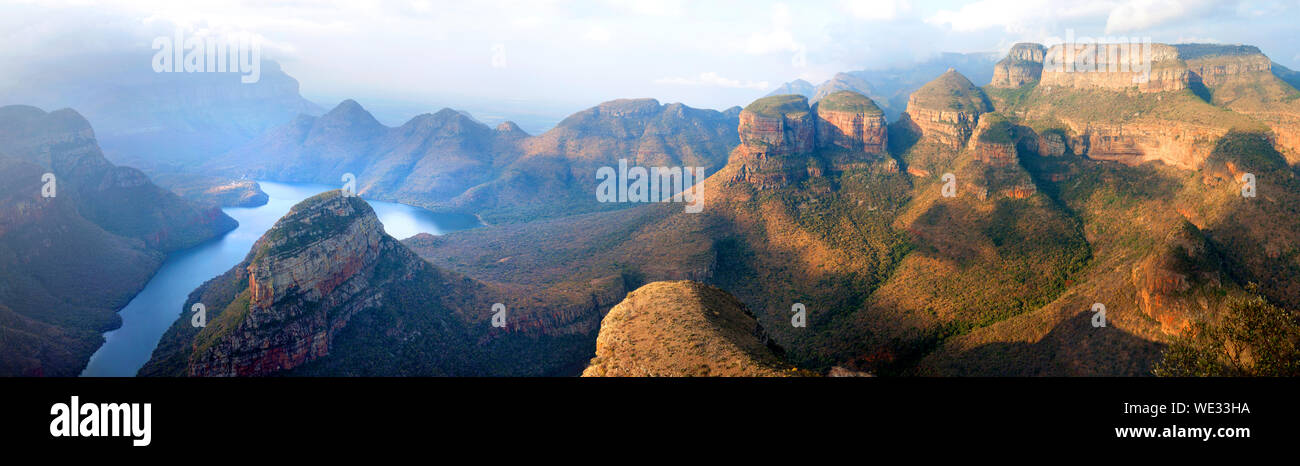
158	305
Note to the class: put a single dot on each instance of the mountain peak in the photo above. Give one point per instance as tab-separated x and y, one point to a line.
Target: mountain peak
509	128
950	91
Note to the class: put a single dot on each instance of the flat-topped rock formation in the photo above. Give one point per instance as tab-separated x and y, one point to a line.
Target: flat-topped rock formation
782	138
1115	67
1023	65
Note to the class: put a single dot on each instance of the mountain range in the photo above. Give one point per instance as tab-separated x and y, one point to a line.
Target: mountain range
908	222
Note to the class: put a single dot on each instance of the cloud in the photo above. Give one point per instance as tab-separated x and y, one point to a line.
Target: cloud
778	39
877	10
710	78
1139	15
1018	16
598	33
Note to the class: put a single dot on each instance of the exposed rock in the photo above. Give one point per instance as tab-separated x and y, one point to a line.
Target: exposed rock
683	329
993	143
852	121
947	109
1175	143
304	284
773	130
1111	66
1023	65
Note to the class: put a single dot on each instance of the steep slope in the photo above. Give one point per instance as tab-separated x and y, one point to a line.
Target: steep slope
556	174
1023	65
1241	78
683	329
68	262
326	292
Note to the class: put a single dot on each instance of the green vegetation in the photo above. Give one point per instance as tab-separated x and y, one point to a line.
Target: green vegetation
952	91
1252	338
777	105
997	131
849	101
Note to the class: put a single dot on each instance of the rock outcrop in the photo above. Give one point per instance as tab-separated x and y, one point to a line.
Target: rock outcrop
852	121
305	281
1023	65
784	141
683	329
1175	143
1115	67
947	109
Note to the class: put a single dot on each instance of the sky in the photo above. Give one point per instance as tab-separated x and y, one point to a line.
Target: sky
556	57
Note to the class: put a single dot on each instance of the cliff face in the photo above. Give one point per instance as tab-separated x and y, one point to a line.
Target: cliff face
784	141
948	109
683	329
1242	78
1110	66
1175	143
851	121
306	278
1023	65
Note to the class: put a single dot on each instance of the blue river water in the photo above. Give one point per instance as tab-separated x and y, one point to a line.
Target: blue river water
153	310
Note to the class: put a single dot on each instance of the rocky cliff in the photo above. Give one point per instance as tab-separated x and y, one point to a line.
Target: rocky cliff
307	277
783	140
1112	67
1023	65
947	109
683	329
851	121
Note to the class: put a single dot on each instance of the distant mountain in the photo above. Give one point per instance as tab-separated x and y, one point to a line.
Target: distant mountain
71	260
429	159
796	87
683	329
161	122
890	88
447	160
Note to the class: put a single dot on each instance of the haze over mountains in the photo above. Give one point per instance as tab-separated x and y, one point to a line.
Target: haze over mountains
70	261
962	217
448	160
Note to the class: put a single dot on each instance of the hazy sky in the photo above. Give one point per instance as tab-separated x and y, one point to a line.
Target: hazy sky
569	55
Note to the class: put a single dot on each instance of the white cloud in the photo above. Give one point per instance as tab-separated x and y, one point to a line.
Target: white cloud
710	78
598	33
1138	15
1018	16
778	39
877	10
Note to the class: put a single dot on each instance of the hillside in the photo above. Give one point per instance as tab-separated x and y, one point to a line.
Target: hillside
68	262
683	329
447	160
326	292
